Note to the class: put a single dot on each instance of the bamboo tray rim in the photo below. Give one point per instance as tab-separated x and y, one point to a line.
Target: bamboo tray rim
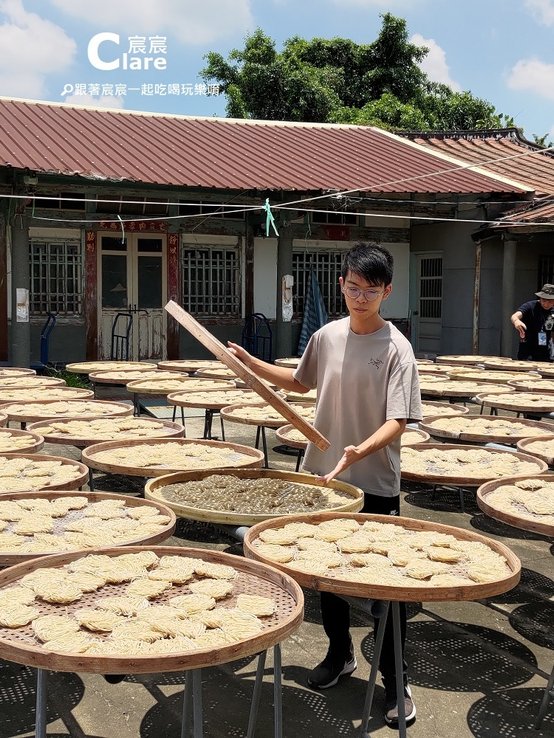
466	481
290	362
547	407
12	371
459	409
121	409
129	364
175	430
3	419
36	441
226	414
419	432
152	487
134	386
28	381
71	484
391	592
426	424
435	390
281	434
8	558
176	398
193	363
256	455
522	445
514	365
519	386
118	378
510	517
461	359
21	652
71	393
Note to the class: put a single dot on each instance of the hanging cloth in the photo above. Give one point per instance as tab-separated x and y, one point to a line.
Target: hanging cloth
315	314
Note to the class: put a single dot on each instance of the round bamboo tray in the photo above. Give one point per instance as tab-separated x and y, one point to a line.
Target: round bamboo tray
519	402
412	436
43	394
390	592
86	367
494	436
220	398
20	646
431	368
179	384
247	457
120	378
189	365
12	371
227	413
287	434
154	491
542	386
511	365
458	479
512	517
9	558
24	381
457	388
3	420
526	446
424	361
171	430
291	362
546	370
219	373
462	360
301	397
21	412
485	376
33	441
76	483
442	408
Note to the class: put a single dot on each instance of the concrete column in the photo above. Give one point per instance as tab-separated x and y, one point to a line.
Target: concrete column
20	354
508	292
283	340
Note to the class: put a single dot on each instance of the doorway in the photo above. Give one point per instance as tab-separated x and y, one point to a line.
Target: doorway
427	323
132	280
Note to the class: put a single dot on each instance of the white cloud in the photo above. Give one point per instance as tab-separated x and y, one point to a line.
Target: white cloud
193	22
542	10
434	64
32	47
106	101
533	75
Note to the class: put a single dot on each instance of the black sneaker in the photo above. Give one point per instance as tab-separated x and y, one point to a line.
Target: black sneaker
391	708
330	670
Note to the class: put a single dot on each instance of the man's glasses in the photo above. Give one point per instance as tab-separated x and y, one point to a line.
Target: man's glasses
355	292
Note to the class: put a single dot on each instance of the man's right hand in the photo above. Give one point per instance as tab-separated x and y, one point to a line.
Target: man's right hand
520	327
241	353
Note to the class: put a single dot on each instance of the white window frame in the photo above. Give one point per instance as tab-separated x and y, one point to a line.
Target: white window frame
201	260
55	271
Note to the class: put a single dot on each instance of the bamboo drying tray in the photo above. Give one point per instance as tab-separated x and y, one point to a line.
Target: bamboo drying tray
413	436
246	374
462	360
34	441
200	398
511	518
449	388
17	411
19	645
485	376
227	414
522	402
120	378
76	483
12	371
189	365
284	435
472	436
220	373
43	394
301	397
438	407
511	365
3	420
291	362
154	491
431	368
171	430
250	457
457	479
9	558
546	370
526	446
24	381
149	386
390	592
542	386
86	367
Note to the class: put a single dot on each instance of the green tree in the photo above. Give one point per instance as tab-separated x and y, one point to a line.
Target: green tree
337	80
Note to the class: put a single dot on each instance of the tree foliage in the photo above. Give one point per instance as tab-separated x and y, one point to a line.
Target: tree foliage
339	81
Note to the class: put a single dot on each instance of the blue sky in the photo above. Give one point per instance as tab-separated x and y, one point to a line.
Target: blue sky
501	50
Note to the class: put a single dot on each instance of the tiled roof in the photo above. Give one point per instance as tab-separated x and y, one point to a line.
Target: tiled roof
118	145
501	151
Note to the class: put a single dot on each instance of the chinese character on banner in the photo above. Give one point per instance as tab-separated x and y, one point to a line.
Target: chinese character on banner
132	226
137	44
186	89
94	89
158	45
200	88
147	88
174	89
80	89
213	90
107	90
160	89
120	90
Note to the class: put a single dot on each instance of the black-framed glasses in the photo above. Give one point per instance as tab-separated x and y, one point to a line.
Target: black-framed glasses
369	295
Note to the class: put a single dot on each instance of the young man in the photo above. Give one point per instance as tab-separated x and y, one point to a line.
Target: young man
534	321
367	389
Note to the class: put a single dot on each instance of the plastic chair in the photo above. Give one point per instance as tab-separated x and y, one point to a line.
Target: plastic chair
257	337
120	336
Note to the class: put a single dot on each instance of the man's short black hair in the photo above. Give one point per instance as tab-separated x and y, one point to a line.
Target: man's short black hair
371	261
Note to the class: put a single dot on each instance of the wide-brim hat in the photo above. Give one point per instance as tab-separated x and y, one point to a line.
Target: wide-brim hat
546	292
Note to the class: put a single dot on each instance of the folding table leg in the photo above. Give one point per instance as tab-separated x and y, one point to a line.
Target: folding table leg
256	694
374	668
548	694
40	717
277	693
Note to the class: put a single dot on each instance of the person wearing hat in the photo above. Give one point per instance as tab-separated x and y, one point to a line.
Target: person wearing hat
534	321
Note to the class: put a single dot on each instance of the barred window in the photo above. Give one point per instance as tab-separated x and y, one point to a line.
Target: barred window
211	280
327	265
56	277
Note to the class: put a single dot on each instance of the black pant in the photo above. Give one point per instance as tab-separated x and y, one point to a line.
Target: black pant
335	611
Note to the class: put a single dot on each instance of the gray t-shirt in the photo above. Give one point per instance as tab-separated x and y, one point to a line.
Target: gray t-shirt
362	381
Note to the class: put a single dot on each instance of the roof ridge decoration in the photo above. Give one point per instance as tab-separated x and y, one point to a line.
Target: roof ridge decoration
510	133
